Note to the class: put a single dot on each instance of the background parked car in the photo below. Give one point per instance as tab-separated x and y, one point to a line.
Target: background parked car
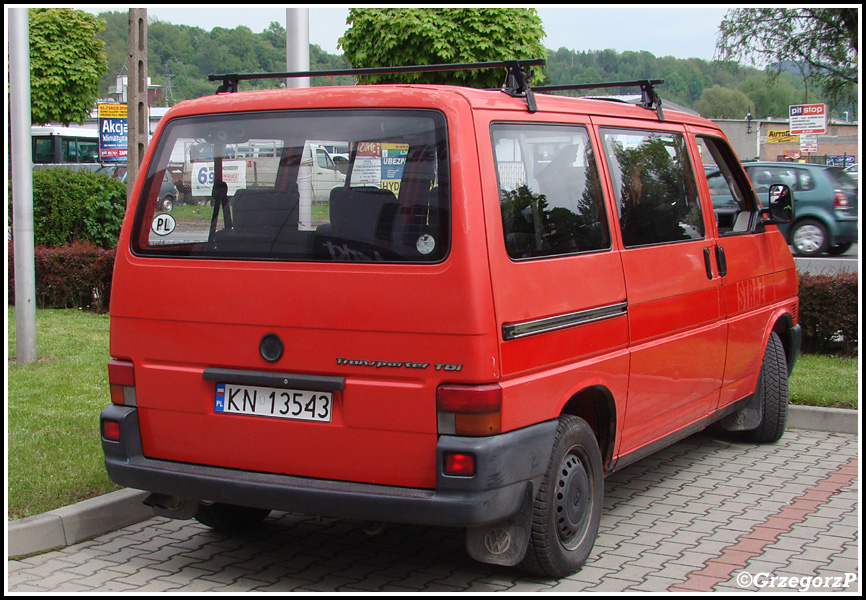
167	191
853	171
825	204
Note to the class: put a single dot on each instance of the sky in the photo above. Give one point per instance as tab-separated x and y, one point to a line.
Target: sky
663	30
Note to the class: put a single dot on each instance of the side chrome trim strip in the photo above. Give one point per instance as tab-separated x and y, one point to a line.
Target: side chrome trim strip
514	331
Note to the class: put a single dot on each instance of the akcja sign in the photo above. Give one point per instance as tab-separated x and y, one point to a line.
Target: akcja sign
807	118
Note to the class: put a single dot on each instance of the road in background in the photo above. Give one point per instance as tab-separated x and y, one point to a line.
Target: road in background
849	261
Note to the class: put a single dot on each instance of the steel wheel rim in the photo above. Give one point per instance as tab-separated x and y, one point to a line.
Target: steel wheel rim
573	500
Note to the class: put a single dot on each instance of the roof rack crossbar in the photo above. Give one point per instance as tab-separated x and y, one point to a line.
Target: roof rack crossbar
649	98
230	80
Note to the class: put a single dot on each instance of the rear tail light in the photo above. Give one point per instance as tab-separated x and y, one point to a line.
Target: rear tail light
121	382
840	200
111	430
459	464
474	410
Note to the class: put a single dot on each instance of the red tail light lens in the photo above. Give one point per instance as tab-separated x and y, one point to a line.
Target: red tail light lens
121	382
459	464
474	410
111	430
840	200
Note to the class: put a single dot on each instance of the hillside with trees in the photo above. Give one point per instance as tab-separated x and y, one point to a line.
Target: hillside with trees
182	57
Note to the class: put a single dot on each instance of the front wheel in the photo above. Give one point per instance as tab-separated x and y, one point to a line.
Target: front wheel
809	238
567	507
839	249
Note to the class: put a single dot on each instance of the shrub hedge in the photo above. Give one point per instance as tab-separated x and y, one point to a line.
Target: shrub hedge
829	313
76	206
74	276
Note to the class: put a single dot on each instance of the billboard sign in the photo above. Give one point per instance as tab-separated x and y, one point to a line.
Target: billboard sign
113	132
807	118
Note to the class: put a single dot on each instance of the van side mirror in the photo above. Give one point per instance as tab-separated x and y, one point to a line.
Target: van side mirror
781	205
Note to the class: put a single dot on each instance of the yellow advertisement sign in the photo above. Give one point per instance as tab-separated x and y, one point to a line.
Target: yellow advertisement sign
111	111
782	136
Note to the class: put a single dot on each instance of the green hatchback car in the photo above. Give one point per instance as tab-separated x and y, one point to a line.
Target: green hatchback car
825	204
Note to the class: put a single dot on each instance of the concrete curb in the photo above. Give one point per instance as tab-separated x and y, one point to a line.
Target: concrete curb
72	524
833	420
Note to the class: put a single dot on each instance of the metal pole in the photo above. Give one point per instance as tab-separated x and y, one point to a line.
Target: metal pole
22	186
298	45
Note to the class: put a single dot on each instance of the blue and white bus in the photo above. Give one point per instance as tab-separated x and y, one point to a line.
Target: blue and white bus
53	145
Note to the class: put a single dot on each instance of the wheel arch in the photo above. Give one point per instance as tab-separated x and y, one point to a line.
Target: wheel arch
790	336
595	405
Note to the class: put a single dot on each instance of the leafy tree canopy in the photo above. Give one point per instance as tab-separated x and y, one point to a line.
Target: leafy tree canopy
386	37
66	62
825	39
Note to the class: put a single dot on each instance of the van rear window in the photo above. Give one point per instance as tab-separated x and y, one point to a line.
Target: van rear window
330	185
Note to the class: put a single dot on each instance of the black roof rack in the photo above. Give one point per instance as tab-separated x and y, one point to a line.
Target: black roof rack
517	79
649	98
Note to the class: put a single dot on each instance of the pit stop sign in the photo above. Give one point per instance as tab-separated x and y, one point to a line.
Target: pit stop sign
807	118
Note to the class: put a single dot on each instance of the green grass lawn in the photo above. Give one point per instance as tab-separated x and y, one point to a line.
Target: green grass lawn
55	456
54	452
827	381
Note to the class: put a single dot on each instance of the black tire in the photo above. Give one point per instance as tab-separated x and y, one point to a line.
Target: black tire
773	391
167	203
809	238
839	249
230	518
567	507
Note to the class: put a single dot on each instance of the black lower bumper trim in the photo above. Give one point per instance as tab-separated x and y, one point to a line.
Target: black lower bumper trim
510	462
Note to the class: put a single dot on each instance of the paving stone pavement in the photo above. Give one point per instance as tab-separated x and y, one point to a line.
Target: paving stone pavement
706	514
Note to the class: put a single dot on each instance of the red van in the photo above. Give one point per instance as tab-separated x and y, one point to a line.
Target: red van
512	295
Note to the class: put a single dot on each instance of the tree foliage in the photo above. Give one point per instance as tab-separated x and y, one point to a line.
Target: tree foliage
724	103
825	39
66	62
385	37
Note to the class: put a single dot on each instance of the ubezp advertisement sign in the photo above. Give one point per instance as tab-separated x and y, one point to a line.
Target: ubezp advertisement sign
807	118
113	132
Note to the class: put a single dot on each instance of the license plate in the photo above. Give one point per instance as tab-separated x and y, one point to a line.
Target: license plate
303	405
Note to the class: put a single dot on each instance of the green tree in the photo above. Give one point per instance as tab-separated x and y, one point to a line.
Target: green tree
825	39
723	103
771	96
66	62
384	37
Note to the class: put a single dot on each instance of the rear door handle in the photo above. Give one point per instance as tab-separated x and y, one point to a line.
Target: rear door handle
708	263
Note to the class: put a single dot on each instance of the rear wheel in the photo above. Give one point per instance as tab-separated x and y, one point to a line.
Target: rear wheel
567	507
230	518
773	391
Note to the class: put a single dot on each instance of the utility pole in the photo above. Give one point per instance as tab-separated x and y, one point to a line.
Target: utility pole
136	107
22	186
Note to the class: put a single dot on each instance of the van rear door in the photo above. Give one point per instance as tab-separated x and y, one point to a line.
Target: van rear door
278	333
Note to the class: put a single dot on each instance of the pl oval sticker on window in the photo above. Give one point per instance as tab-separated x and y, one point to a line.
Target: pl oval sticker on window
162	224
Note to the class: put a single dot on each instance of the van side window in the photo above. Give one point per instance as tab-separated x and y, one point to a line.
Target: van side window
654	185
733	204
550	191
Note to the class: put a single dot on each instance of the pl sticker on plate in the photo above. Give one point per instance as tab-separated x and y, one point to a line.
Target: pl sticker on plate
163	224
425	244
